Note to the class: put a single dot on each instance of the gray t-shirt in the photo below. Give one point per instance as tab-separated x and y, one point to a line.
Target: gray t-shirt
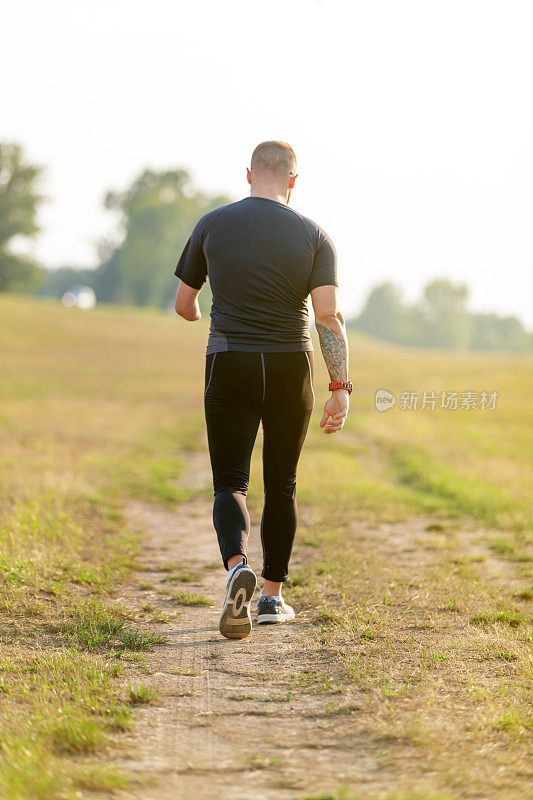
263	259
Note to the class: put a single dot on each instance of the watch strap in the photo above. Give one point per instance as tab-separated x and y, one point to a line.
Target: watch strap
341	385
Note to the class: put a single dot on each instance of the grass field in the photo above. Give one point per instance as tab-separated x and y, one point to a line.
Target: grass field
101	407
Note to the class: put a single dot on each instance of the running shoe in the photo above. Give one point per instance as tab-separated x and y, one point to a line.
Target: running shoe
272	609
235	620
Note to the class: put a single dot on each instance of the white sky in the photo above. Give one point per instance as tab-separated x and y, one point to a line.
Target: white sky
412	123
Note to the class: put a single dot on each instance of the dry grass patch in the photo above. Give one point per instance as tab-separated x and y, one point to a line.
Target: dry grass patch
432	661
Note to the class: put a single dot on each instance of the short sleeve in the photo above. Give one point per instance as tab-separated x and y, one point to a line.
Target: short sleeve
192	266
324	272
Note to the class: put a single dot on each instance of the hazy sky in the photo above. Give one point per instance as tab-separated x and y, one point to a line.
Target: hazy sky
412	123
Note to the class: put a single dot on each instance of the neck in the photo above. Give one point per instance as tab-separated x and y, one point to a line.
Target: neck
269	193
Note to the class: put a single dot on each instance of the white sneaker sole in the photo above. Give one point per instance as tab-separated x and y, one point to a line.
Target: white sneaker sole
273	618
236	621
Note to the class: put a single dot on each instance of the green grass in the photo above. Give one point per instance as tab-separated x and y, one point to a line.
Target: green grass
94	625
78	437
257	761
66	705
507	616
184	576
101	779
453	464
141	695
106	408
190	599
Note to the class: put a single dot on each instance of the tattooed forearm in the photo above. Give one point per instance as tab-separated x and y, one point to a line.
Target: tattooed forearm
334	348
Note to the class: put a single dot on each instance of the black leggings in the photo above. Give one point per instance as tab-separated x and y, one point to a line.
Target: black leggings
242	388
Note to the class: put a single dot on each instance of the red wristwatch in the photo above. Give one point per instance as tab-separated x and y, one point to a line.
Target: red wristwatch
341	385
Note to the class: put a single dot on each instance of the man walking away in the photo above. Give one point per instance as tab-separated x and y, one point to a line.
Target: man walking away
263	260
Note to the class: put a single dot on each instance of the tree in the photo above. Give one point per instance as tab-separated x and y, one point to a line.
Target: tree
18	210
381	312
157	214
492	332
447	321
386	316
439	319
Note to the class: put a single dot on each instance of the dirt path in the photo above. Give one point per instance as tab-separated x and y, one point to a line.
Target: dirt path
249	712
220	717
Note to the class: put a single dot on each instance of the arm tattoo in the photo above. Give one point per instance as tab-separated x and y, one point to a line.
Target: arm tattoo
335	351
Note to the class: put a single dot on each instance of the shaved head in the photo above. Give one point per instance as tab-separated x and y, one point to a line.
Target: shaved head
276	158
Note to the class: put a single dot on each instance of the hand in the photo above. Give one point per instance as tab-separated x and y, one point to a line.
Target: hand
335	411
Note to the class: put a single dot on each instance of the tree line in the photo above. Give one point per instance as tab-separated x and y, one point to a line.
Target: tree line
439	318
155	216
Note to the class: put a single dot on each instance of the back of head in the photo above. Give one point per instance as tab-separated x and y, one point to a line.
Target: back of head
273	161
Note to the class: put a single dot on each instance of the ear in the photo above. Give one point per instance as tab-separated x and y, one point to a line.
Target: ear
292	179
249	175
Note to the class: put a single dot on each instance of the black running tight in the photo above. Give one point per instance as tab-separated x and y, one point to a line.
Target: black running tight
242	389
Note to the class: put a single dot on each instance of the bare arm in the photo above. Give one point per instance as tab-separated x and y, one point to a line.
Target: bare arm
334	345
186	303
